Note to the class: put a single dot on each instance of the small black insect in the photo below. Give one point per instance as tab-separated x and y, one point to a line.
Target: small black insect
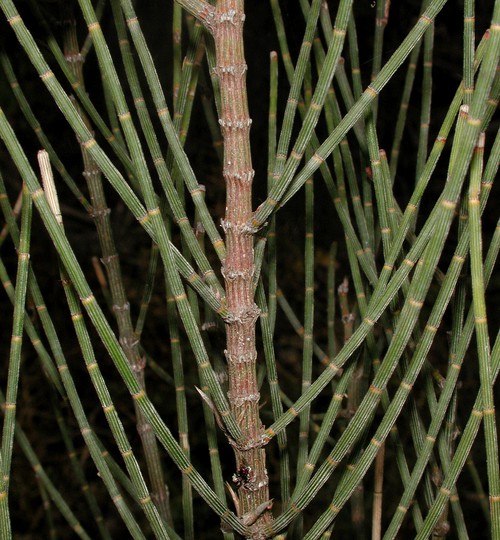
242	476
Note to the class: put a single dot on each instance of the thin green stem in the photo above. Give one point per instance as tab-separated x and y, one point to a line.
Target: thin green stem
182	416
59	502
123	444
271	235
289	176
425	111
10	406
482	338
169	130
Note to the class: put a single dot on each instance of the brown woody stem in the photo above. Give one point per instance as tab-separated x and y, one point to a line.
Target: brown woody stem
238	269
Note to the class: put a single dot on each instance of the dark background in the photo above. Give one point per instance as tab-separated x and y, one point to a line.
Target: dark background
35	414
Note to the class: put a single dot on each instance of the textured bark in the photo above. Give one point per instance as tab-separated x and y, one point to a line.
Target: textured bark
251	475
111	261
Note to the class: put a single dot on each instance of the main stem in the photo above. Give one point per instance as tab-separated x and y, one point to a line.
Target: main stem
238	269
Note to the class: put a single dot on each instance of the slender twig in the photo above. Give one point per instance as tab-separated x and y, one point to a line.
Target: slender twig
10	405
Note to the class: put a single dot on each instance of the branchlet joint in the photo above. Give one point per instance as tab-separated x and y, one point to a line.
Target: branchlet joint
244	315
